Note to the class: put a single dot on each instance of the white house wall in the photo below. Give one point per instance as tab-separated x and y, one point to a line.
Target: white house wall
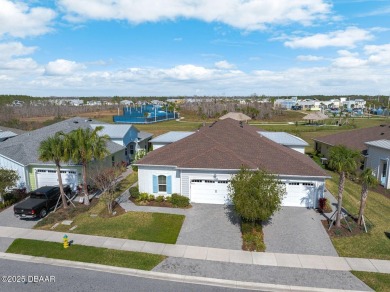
158	145
373	161
145	178
20	169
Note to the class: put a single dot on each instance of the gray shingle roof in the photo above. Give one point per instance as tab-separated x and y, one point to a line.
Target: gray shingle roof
142	135
113	131
24	148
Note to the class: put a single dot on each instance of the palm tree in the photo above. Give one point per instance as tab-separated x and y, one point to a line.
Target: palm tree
83	146
367	180
52	149
342	160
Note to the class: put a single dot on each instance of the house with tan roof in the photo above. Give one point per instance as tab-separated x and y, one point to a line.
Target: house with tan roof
200	166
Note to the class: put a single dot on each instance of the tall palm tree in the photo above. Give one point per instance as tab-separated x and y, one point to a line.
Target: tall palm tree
83	146
367	180
342	160
52	149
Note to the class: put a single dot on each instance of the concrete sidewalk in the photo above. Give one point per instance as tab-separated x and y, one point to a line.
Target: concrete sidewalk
207	253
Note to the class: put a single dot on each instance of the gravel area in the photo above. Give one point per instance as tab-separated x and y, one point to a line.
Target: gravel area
297	230
262	274
211	225
8	219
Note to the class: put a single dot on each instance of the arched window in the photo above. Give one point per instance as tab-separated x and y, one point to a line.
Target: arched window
162	183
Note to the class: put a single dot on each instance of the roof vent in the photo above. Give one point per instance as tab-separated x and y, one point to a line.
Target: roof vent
241	124
382	134
89	120
75	122
382	125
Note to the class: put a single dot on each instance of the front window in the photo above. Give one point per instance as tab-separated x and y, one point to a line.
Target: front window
162	183
131	149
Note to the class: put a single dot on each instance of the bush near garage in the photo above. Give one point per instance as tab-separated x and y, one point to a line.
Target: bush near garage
13	197
180	201
134	192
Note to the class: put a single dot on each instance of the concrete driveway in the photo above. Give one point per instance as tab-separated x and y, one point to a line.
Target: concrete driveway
297	230
8	219
211	225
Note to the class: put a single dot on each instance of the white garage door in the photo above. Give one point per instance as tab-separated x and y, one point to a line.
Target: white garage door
299	194
48	177
209	191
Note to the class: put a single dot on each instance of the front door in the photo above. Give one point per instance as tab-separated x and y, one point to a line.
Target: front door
384	173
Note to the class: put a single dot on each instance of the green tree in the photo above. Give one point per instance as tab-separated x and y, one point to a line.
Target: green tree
256	195
8	179
83	146
367	179
342	160
53	149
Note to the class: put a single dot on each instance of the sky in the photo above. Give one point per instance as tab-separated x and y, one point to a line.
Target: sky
194	47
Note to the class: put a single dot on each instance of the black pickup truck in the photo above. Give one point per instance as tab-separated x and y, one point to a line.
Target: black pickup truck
39	202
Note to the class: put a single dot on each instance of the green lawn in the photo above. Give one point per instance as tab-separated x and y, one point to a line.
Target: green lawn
378	282
374	244
126	183
87	254
155	227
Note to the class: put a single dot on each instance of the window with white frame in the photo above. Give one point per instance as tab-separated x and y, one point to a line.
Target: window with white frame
162	183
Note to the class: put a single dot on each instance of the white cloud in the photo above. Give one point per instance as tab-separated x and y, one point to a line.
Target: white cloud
340	38
17	19
224	65
188	72
348	59
309	58
13	49
248	15
20	64
378	54
63	67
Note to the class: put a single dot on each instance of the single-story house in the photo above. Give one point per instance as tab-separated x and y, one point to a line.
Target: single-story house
21	153
282	138
201	165
354	139
378	159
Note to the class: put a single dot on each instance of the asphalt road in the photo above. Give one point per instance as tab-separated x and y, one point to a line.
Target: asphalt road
72	279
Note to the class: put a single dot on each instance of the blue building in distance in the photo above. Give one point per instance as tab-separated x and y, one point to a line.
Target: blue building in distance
145	114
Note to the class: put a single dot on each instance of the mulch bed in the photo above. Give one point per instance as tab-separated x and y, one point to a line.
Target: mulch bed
343	231
156	204
116	211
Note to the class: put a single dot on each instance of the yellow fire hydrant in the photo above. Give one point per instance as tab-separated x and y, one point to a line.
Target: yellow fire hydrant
66	241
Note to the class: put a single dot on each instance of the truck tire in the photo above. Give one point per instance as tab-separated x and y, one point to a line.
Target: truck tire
43	213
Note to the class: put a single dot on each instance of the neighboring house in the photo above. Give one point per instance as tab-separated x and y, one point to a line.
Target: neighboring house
127	136
286	103
378	159
21	154
168	138
4	135
201	165
286	139
236	116
354	139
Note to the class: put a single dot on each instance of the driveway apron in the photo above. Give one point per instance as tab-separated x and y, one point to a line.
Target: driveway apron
297	230
211	226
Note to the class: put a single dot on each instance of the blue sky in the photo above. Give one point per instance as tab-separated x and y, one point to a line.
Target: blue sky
183	47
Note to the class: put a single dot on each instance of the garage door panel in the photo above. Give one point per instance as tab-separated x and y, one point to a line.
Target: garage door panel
209	191
299	194
49	177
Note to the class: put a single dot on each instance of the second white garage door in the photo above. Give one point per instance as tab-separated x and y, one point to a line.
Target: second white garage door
209	191
48	177
299	194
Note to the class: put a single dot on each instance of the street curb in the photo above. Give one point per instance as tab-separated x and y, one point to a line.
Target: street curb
164	276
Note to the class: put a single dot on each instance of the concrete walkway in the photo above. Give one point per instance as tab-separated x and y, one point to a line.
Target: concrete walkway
208	253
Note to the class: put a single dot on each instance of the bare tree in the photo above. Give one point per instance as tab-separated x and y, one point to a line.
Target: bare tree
107	180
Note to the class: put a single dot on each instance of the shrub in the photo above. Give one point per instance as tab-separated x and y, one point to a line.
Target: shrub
168	199
324	205
180	201
134	192
151	197
160	199
143	197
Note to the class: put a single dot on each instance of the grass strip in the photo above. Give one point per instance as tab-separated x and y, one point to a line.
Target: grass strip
377	281
86	254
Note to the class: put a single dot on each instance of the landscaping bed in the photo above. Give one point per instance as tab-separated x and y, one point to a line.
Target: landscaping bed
374	244
252	236
145	199
13	197
344	231
87	254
